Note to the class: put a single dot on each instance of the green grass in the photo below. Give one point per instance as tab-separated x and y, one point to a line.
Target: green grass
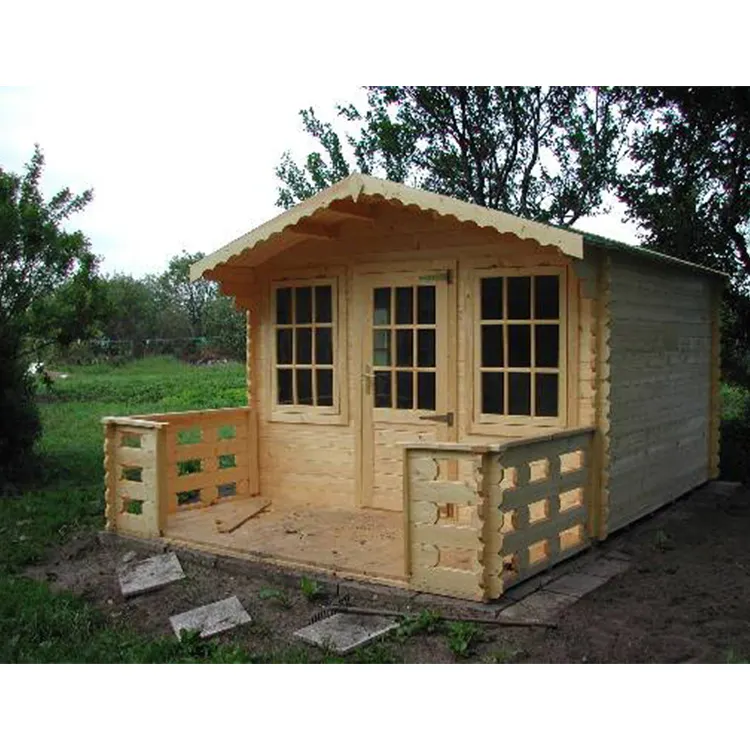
735	402
66	494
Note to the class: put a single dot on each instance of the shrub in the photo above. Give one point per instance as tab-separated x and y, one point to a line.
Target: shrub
20	424
735	434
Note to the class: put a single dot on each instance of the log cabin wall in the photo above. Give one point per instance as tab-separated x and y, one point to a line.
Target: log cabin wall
302	461
663	384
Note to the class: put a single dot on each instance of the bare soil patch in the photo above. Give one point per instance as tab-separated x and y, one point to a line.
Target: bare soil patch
686	597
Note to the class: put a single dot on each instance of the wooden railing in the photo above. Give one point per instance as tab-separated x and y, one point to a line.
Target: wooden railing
525	508
159	464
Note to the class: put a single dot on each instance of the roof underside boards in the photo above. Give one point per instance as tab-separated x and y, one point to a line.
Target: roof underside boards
354	198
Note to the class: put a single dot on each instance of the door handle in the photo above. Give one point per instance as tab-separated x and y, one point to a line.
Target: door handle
368	377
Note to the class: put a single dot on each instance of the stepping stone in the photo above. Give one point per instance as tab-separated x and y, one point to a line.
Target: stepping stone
575	584
343	632
147	575
542	606
605	568
211	618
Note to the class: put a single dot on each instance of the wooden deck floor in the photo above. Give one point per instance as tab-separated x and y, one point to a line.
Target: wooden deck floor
364	543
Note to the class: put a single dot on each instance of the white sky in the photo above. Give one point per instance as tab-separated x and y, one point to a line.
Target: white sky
177	115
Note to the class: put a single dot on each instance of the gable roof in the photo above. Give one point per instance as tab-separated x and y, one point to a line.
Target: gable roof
359	188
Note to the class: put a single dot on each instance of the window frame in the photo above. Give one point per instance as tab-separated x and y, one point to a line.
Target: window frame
488	423
307	413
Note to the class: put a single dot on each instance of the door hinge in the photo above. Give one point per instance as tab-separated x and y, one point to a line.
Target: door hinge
446	418
446	276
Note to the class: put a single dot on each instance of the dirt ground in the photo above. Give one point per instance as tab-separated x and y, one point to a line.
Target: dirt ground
686	597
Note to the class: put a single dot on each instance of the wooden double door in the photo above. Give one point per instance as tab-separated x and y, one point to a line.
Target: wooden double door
408	351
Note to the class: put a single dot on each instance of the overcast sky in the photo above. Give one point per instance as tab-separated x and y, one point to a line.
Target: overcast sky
177	114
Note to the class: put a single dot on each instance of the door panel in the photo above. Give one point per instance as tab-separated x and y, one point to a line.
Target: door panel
406	392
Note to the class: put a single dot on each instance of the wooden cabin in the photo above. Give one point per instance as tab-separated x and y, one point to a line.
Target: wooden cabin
441	397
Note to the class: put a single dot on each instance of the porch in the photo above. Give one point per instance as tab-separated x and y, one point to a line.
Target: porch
474	518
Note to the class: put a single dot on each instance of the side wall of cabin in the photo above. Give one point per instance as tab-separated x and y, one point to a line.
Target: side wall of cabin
663	385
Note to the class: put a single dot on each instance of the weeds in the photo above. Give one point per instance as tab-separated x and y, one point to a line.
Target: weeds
310	589
426	621
277	596
462	636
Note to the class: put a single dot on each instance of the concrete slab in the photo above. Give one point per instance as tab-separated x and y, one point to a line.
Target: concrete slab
542	606
343	632
605	568
147	575
725	489
616	554
211	618
576	584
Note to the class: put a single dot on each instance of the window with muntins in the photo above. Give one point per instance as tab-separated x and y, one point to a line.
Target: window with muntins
520	346
304	335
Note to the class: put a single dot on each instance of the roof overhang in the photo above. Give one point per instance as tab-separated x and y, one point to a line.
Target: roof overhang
361	189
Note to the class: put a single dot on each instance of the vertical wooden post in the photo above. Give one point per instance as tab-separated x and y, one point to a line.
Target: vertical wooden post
600	500
160	486
407	513
110	476
252	447
714	421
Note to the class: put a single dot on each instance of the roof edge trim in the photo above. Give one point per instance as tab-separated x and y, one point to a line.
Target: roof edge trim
356	185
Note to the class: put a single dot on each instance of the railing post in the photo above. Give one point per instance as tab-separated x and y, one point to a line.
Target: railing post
161	489
110	477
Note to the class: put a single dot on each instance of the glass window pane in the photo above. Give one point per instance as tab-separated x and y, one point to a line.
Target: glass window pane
284	346
303	304
404	348
547	345
304	387
323	306
547	297
426	347
519	297
546	395
426	305
323	346
284	386
381	354
324	387
492	392
519	393
383	389
381	311
304	346
284	305
404	390
519	346
492	298
426	390
404	304
492	346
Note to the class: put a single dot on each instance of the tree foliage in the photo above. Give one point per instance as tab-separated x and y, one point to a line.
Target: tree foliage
688	189
38	256
689	185
548	154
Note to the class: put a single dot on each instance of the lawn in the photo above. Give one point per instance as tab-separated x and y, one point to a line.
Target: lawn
66	496
65	501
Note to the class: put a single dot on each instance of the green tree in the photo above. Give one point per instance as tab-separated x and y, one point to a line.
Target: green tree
191	297
689	186
37	256
548	154
689	191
